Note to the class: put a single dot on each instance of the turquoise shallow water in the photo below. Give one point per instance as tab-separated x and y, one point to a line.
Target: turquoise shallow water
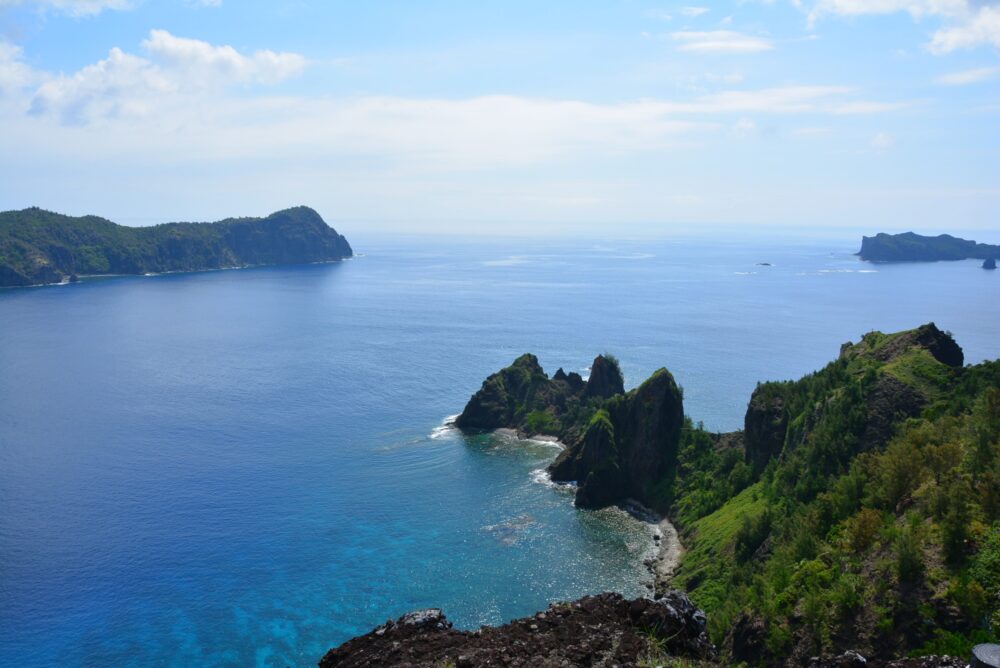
248	467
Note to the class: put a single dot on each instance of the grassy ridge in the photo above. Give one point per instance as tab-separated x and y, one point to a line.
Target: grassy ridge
857	535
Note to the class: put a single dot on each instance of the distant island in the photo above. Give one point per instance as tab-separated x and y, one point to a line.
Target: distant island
40	247
911	247
856	513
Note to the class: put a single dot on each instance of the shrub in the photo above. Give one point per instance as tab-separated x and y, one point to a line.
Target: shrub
863	528
909	558
751	535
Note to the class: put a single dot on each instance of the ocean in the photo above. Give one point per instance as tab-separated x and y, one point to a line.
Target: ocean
250	467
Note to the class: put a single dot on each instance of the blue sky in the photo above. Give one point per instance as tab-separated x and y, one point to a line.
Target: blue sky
507	117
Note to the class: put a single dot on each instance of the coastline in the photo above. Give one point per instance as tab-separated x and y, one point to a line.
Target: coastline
152	274
668	556
669	548
666	541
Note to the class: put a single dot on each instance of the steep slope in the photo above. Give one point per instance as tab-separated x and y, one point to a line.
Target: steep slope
619	445
865	512
38	246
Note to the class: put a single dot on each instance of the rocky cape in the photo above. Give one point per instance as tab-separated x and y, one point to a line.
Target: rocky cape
618	445
911	247
858	509
40	247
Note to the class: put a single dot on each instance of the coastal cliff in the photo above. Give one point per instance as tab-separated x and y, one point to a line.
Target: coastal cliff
39	247
858	509
911	247
618	445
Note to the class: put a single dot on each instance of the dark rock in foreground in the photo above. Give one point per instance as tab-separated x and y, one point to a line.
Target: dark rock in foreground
38	247
597	630
601	630
852	659
990	263
910	247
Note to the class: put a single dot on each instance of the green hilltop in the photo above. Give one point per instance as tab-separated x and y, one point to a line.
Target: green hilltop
38	246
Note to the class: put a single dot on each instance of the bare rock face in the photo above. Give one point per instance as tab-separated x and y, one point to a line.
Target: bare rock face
506	395
940	344
764	427
605	379
630	444
889	402
597	630
618	445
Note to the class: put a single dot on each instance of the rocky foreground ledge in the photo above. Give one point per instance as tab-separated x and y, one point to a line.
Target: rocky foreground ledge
601	630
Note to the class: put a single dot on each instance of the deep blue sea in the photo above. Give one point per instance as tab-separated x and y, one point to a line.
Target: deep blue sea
249	467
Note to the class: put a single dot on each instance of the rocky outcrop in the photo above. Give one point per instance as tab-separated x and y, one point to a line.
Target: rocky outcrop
38	247
618	445
764	426
602	630
910	247
605	379
887	348
888	399
630	444
889	402
522	397
853	659
990	263
507	396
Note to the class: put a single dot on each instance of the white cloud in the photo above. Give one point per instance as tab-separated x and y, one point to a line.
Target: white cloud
73	7
967	77
720	41
423	135
120	85
693	12
969	23
883	141
981	29
14	73
916	8
203	61
125	85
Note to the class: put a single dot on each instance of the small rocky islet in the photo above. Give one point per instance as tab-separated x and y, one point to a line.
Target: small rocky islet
854	521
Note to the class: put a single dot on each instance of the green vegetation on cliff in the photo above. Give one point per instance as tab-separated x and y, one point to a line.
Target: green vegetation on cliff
619	445
863	509
38	246
858	509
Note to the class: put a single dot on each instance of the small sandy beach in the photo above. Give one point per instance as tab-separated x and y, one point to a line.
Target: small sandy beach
668	556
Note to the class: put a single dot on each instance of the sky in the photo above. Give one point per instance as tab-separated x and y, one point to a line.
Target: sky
490	117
